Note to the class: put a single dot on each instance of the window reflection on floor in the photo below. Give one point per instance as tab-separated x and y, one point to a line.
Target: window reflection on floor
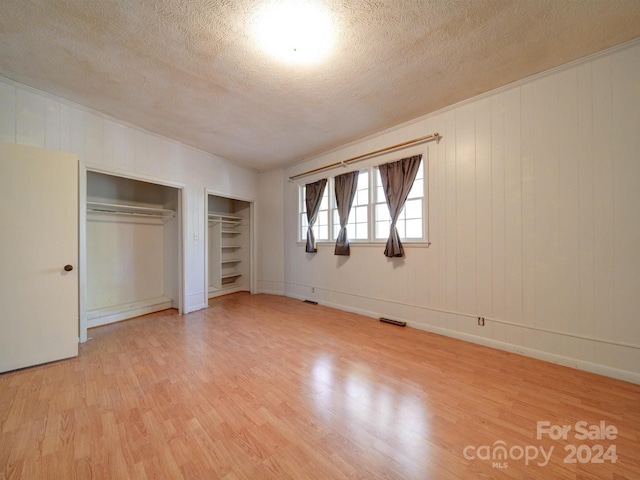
370	410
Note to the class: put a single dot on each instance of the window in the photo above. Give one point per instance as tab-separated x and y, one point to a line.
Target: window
369	219
321	226
409	224
358	224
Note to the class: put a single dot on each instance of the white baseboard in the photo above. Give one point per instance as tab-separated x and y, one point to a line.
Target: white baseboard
225	291
578	364
584	365
117	313
279	293
269	287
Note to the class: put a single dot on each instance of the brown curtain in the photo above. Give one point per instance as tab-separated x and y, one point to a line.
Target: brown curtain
313	196
345	187
397	180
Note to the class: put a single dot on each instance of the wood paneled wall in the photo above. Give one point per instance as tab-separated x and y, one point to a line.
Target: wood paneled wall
31	117
534	223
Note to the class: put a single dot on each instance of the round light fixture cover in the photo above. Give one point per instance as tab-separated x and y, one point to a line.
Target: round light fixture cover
294	31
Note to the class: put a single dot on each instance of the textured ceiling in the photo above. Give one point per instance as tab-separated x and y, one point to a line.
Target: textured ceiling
190	70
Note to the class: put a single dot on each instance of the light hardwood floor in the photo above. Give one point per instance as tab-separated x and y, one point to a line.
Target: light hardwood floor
267	387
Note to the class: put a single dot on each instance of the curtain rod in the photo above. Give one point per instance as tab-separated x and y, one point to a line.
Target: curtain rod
426	138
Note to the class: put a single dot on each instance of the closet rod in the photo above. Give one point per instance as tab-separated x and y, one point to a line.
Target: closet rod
426	138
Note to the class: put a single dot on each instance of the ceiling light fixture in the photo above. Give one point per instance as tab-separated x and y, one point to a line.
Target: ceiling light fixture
294	31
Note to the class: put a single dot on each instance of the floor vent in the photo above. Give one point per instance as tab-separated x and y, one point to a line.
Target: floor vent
393	322
311	302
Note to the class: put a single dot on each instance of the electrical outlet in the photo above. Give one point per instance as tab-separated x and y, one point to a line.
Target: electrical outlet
313	290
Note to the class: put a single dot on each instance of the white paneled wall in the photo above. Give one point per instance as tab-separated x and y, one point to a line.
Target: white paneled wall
125	260
534	222
271	249
34	118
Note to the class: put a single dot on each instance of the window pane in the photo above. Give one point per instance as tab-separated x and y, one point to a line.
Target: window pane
361	231
336	217
382	229
382	212
360	214
321	226
413	208
417	190
303	225
363	179
351	231
303	214
362	197
414	228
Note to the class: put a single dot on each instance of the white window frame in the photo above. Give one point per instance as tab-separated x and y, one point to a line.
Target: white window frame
401	225
335	218
302	215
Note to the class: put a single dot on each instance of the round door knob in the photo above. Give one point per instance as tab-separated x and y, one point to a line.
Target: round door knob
68	268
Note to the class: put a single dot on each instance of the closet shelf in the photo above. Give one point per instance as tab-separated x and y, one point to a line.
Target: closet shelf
231	275
122	209
231	260
230	246
225	219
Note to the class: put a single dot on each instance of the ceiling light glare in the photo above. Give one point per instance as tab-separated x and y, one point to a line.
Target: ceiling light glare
294	31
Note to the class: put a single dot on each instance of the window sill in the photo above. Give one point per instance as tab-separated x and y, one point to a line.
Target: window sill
356	244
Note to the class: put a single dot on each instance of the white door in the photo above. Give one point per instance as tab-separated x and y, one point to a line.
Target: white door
38	256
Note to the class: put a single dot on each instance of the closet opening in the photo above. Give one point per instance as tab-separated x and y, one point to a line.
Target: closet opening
229	245
133	248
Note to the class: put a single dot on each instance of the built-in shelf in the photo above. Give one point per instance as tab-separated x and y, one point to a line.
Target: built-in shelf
231	275
226	238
